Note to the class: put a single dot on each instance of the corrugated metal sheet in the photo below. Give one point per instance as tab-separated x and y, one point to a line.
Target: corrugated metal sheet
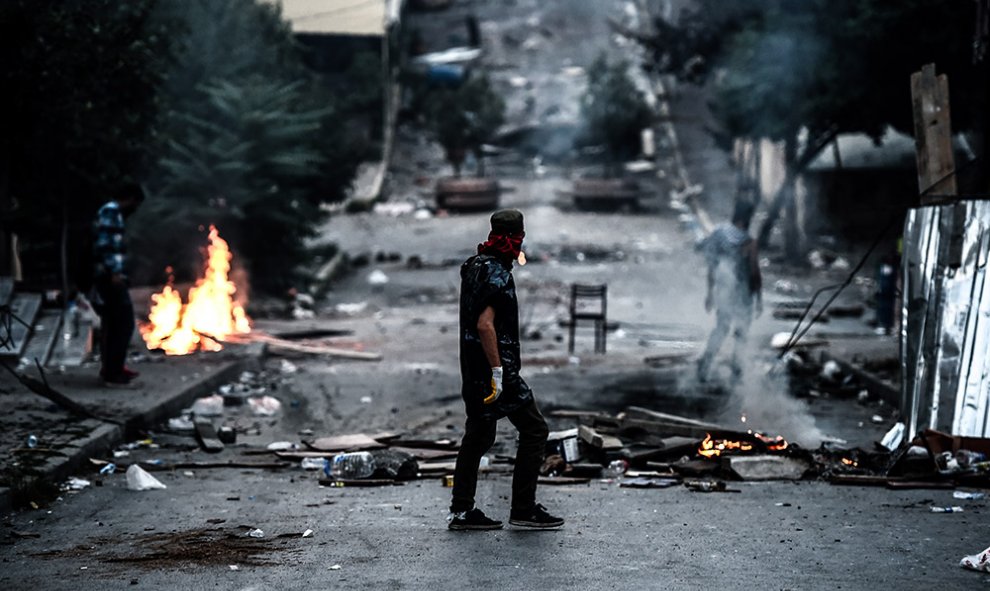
945	335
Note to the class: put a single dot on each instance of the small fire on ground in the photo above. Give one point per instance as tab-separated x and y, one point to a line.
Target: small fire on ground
210	315
714	447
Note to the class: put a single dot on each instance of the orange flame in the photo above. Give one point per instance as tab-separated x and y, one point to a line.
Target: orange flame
711	448
210	315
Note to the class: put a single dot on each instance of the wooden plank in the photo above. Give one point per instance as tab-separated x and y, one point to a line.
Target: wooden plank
664	429
932	133
336	483
442	444
354	442
662	416
595	439
561	480
24	309
437	466
275	345
427	454
206	435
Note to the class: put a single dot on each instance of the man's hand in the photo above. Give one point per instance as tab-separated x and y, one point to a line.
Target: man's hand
496	386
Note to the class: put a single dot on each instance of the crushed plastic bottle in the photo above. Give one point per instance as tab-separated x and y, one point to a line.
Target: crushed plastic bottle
351	466
616	469
108	469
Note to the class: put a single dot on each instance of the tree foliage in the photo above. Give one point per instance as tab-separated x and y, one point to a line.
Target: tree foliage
780	68
614	110
827	66
80	83
461	119
249	143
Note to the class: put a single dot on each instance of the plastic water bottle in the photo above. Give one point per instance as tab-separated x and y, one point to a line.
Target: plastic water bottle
351	466
616	469
32	441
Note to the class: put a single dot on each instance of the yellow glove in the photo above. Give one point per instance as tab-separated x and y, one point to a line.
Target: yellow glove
496	386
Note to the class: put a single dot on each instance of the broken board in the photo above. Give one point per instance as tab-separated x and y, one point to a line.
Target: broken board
206	435
766	467
354	442
598	440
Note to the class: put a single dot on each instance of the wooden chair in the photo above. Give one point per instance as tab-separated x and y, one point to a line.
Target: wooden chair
589	302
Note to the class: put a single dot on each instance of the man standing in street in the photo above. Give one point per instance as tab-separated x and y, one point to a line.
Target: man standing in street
491	385
733	287
110	279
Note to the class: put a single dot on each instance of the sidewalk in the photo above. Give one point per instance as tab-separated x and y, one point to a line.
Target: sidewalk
65	442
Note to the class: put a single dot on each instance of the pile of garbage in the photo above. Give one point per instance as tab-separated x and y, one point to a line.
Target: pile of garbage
662	448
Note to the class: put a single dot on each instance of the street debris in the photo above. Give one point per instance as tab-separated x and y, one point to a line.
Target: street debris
312	463
206	436
183	423
953	509
138	479
978	562
209	406
264	406
255	533
968	496
377	278
76	484
349	466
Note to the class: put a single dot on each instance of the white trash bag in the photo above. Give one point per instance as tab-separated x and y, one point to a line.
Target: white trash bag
980	562
139	479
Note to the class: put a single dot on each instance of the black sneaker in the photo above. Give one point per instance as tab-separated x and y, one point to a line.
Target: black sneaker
473	519
536	517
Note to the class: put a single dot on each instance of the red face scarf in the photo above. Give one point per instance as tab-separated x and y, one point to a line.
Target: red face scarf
504	246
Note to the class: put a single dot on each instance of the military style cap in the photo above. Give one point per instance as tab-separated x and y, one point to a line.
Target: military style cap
507	221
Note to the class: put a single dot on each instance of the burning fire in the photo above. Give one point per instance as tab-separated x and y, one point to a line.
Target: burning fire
210	314
711	448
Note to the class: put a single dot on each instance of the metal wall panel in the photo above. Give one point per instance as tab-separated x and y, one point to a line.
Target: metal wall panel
945	332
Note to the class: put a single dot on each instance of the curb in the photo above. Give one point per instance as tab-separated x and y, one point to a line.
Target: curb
105	436
332	269
170	407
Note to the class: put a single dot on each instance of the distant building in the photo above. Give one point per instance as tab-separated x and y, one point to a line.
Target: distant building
334	32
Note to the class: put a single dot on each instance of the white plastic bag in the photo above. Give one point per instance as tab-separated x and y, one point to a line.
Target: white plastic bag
139	479
211	406
264	406
980	562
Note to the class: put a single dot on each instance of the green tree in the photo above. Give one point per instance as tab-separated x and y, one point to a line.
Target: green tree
614	111
816	68
80	83
462	119
250	142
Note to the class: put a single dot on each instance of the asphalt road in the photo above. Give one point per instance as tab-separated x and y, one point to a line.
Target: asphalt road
771	535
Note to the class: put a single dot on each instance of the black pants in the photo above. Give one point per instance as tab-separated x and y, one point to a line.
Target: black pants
479	436
117	326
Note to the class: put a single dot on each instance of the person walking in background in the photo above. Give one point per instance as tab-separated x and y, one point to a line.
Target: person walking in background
491	385
734	286
111	284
